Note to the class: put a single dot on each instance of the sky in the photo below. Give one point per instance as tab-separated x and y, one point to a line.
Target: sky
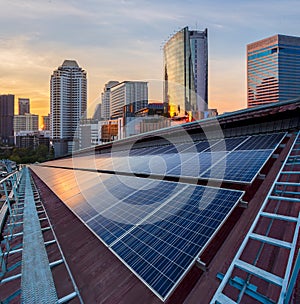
123	40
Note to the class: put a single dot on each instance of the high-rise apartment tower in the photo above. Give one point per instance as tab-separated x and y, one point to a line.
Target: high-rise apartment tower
68	104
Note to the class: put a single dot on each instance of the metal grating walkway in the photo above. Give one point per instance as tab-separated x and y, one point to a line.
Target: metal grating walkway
37	282
281	207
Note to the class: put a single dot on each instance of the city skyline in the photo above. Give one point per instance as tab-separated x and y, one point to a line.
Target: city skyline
123	41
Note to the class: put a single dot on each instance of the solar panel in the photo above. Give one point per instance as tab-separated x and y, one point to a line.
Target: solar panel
267	141
195	164
157	228
240	166
229	144
160	250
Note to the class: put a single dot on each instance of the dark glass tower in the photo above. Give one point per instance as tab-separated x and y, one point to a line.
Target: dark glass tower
273	70
7	119
186	74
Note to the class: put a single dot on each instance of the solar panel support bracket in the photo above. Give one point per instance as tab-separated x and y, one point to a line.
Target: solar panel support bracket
243	204
261	176
201	265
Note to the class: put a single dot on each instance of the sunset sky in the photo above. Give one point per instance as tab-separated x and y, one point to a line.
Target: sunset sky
122	40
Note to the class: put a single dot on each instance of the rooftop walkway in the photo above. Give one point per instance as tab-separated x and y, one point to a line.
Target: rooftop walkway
33	266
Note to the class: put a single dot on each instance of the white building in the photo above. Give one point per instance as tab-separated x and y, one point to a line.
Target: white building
105	98
88	133
26	122
133	94
68	104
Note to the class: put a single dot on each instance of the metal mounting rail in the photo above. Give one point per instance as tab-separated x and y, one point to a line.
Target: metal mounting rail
285	190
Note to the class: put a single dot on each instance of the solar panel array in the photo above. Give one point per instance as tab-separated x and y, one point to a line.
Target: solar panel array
158	228
237	159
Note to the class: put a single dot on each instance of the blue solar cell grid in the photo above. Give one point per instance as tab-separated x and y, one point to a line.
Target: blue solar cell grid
240	166
260	142
161	250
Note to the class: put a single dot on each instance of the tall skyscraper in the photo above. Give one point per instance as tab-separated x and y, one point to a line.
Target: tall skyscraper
105	97
24	106
186	74
68	104
273	70
128	94
7	106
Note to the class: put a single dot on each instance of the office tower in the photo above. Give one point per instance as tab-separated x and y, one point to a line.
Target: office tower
68	104
26	122
105	98
7	119
273	70
97	112
46	122
24	106
186	74
128	97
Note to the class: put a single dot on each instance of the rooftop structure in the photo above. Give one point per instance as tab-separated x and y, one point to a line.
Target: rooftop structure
164	216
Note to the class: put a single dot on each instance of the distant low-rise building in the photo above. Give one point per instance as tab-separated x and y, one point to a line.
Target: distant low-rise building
32	139
26	122
88	133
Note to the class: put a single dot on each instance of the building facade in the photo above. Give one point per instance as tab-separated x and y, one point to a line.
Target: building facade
129	94
24	106
105	98
68	104
7	119
186	74
88	133
26	122
46	122
273	70
97	112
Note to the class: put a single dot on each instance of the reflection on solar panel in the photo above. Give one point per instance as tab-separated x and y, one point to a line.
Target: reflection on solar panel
240	166
157	228
236	159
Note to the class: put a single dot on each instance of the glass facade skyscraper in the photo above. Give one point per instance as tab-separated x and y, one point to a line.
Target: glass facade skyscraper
273	70
186	74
